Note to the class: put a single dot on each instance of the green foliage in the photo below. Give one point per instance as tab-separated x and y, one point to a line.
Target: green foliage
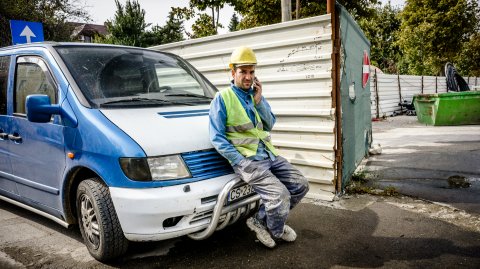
205	25
257	13
468	61
128	25
433	32
360	8
382	30
233	26
310	8
54	15
170	32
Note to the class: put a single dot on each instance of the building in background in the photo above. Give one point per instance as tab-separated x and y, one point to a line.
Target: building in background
85	32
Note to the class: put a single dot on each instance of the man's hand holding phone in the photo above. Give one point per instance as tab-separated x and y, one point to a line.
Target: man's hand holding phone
257	87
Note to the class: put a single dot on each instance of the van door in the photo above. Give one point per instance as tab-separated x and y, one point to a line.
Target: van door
6	184
38	154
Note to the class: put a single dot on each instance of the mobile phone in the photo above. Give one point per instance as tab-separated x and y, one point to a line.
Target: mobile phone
255	83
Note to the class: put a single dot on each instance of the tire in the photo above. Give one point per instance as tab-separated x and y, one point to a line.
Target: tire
98	221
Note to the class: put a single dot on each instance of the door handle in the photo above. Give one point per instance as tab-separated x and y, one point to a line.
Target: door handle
15	138
3	136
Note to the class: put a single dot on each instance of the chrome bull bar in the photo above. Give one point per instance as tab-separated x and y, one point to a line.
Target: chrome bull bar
220	210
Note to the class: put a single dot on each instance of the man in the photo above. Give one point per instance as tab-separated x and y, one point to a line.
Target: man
240	119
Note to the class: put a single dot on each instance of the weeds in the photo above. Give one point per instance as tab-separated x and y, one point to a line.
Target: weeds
360	176
359	184
390	191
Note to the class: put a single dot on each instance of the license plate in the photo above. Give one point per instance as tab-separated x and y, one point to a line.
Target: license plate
240	192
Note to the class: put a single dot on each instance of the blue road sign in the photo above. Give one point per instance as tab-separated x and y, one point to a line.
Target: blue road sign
26	32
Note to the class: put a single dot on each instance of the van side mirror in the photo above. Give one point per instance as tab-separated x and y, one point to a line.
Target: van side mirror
39	108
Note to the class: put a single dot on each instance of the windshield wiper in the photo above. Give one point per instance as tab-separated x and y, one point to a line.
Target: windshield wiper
189	95
144	100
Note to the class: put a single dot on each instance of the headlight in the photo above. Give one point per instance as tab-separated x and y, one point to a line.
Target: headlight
157	168
168	167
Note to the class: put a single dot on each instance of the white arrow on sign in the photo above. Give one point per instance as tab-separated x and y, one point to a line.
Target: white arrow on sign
28	34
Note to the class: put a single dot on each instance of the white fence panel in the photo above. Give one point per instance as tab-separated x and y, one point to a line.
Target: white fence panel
389	88
294	65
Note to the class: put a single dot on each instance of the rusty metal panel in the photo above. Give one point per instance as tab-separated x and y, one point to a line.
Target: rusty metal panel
294	65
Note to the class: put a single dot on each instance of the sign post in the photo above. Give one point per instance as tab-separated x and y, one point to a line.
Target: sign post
26	32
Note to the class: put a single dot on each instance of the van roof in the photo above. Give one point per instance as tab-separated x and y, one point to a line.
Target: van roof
49	44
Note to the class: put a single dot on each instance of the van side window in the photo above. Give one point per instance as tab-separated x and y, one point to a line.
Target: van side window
4	64
32	77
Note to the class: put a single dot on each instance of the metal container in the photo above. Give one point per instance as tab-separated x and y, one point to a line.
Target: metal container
452	108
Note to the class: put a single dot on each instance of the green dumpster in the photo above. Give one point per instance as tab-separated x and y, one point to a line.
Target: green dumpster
451	108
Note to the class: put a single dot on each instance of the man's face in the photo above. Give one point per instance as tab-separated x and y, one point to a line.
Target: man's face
243	76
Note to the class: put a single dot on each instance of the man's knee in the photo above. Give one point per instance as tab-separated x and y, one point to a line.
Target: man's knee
304	185
301	186
280	200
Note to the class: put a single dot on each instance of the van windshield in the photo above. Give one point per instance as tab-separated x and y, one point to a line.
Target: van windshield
113	77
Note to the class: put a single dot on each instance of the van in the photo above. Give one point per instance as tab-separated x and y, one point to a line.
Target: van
113	139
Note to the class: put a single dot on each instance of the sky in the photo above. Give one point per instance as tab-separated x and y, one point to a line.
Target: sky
156	11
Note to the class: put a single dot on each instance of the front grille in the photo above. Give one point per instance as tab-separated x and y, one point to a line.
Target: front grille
206	164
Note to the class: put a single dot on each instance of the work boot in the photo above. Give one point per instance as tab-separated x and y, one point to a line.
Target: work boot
289	234
261	231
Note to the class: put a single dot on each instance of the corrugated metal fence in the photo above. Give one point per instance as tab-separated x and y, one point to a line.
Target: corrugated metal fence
389	90
294	65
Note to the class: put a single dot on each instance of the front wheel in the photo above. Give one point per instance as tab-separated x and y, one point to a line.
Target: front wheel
99	224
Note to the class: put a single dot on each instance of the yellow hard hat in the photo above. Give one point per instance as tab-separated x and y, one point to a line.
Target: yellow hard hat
242	56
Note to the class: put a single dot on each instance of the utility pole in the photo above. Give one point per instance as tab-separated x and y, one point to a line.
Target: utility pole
286	10
297	13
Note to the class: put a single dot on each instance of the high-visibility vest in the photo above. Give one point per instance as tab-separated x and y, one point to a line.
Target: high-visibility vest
240	130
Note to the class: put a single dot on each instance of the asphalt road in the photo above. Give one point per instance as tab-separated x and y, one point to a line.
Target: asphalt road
354	232
418	160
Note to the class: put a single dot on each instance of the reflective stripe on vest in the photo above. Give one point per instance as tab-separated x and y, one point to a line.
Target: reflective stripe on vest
243	127
240	130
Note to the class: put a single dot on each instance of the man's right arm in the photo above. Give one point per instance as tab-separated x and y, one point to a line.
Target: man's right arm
218	121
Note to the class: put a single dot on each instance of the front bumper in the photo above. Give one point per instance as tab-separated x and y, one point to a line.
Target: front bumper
197	210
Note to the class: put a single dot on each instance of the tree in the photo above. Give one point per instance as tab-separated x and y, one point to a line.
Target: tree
170	32
203	26
128	26
360	8
257	13
54	14
382	28
433	32
233	26
214	6
468	60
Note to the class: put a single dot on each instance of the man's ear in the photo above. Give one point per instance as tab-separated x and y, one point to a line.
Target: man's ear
233	73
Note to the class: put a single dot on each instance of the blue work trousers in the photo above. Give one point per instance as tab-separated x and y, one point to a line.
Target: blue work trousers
280	186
